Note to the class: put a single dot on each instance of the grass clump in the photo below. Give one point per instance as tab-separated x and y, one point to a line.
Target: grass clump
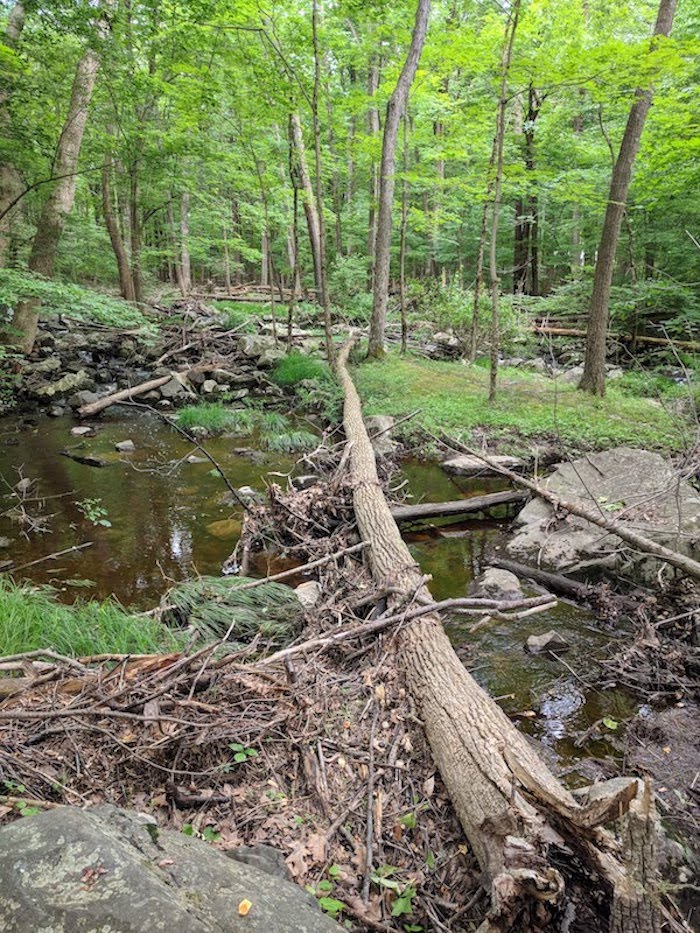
31	619
454	397
215	418
296	367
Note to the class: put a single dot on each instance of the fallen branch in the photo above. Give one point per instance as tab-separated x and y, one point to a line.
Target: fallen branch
578	332
637	541
40	560
284	574
410	513
85	411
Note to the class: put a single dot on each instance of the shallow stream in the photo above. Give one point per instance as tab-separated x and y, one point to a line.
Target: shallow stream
167	519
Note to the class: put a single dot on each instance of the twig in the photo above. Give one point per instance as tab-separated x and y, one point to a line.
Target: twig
40	560
283	574
369	833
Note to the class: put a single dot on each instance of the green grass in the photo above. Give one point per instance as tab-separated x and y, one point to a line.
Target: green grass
31	619
453	397
215	418
296	367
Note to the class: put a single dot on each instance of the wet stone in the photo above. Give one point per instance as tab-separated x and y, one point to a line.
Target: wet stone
548	641
125	446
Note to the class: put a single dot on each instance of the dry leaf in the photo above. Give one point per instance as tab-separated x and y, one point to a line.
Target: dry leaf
165	862
244	907
429	786
316	844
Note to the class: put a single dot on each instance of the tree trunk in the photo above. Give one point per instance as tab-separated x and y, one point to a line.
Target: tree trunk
374	127
60	201
10	179
394	110
185	264
593	379
126	282
505	797
323	295
135	228
303	182
509	38
402	238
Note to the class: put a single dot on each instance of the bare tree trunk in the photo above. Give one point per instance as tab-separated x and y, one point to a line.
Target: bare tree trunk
185	264
227	261
60	201
135	227
303	182
593	379
374	127
324	296
402	239
511	807
394	110
507	54
10	180
264	249
126	281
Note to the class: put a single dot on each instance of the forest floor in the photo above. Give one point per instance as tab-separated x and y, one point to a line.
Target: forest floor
530	408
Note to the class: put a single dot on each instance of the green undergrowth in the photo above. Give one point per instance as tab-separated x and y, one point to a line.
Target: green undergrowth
58	297
297	367
31	619
272	430
453	397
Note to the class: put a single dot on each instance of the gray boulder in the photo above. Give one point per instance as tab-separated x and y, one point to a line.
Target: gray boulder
379	430
572	376
114	871
640	485
176	389
547	641
85	397
125	447
64	386
498	584
253	345
469	465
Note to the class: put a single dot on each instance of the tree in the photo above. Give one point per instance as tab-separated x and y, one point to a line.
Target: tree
593	378
60	200
10	180
394	110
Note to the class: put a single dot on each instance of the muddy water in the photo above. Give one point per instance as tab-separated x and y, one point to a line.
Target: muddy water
168	520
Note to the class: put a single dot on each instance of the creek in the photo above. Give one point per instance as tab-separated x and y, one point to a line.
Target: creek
168	519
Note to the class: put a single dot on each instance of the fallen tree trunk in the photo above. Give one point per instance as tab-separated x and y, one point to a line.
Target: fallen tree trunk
412	513
94	407
510	805
639	542
579	332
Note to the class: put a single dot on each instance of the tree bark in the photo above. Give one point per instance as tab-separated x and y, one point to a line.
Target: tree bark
507	54
394	110
10	179
402	236
374	127
185	263
303	182
505	797
60	201
126	281
593	378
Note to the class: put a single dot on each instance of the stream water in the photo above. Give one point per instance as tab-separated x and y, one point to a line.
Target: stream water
168	519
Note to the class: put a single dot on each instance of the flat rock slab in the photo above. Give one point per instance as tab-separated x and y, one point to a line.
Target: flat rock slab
635	486
107	869
469	465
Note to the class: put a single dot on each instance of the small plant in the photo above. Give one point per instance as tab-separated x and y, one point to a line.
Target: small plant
291	442
323	890
23	807
214	417
402	904
208	834
241	753
94	511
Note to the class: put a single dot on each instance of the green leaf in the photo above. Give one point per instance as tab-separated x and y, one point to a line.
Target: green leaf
187	830
236	746
331	906
610	723
334	871
251	752
325	885
240	757
210	835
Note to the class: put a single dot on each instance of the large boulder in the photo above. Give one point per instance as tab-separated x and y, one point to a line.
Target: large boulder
495	583
638	485
107	869
64	386
471	465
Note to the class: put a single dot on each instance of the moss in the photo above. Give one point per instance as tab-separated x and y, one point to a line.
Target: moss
453	397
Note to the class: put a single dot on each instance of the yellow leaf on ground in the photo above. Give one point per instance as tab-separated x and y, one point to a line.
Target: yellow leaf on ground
244	907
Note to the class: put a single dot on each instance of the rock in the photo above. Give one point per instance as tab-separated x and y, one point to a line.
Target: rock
248	494
225	528
125	447
305	482
657	502
309	593
271	356
381	425
193	458
83	398
63	386
209	387
113	870
82	430
5	542
176	389
548	641
469	465
572	376
253	345
497	584
56	411
237	395
614	373
538	365
51	364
